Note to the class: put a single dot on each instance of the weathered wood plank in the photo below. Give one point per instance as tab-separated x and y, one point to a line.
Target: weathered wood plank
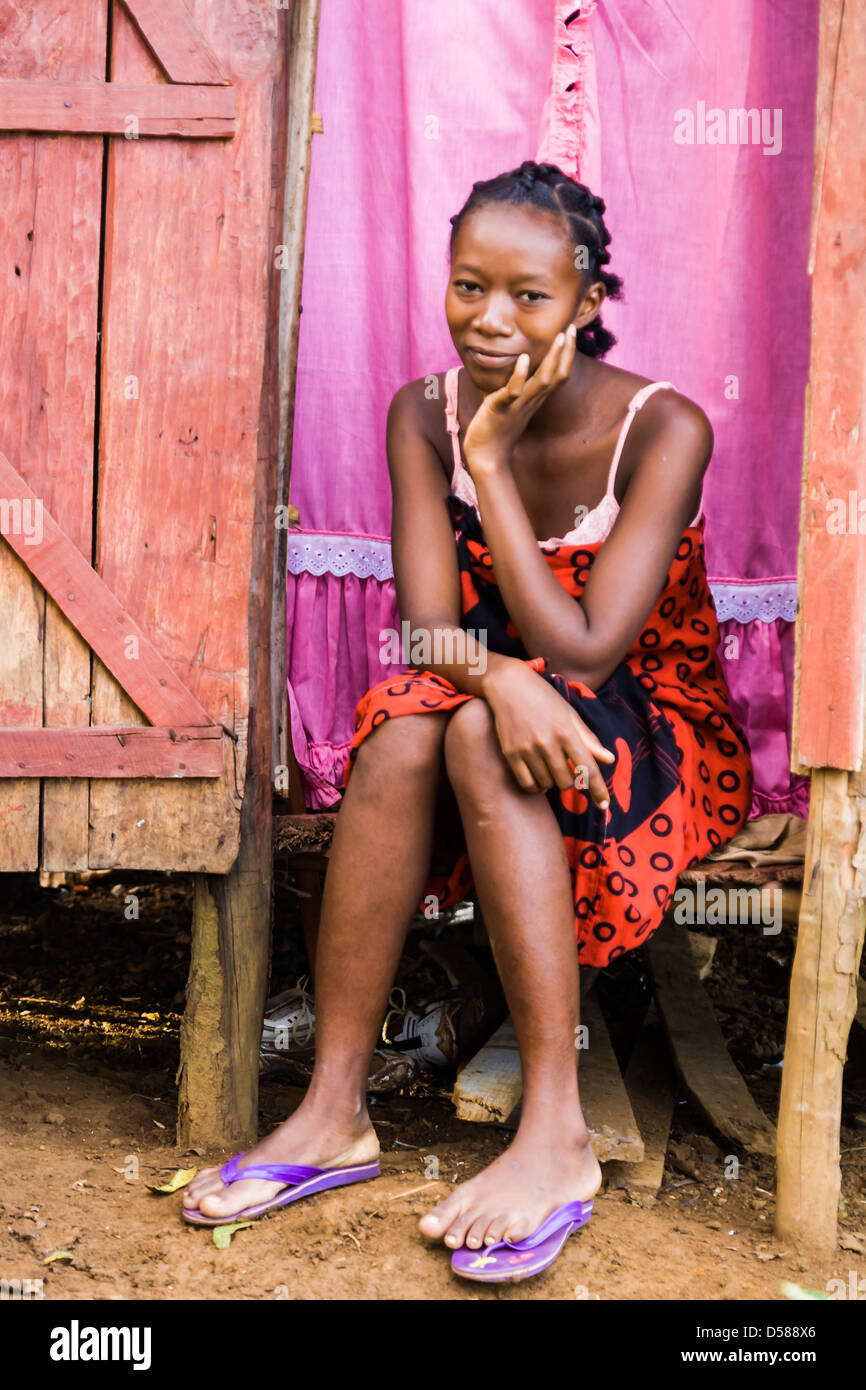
830	709
47	394
489	1086
303	39
131	751
650	1083
219	1073
175	40
604	1099
89	604
831	694
180	419
118	108
710	1078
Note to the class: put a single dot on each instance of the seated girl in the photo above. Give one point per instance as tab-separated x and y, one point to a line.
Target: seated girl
572	721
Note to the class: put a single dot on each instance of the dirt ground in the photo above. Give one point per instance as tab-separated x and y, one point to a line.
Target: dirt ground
89	1013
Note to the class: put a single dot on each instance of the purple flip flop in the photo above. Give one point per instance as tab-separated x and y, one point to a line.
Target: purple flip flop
302	1182
507	1261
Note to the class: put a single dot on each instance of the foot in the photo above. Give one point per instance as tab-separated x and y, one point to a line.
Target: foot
519	1190
303	1138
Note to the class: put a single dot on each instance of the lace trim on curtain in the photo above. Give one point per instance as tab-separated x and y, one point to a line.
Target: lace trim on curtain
341	555
747	601
750	601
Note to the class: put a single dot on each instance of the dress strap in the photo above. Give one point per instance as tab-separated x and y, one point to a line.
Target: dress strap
451	421
634	406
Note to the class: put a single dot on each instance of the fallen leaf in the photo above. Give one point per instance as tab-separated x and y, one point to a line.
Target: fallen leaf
58	1255
222	1235
850	1241
174	1184
159	1125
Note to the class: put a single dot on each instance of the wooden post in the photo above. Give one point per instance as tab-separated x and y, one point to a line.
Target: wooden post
218	1078
303	42
830	691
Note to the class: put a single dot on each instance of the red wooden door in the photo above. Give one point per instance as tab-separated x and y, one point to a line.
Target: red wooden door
136	149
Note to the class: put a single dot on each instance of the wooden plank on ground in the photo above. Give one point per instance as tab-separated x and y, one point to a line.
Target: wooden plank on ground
711	1080
650	1083
603	1097
489	1086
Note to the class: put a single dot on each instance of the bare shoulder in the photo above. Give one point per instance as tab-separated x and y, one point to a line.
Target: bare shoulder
417	410
671	413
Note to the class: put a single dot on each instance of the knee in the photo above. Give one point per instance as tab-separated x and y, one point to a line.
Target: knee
407	745
472	753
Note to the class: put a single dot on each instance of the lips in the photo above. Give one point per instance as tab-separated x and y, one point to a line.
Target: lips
491	359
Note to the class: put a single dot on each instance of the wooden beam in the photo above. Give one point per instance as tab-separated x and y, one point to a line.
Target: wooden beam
175	40
710	1078
303	42
118	108
830	711
831	620
218	1079
136	750
823	1002
91	607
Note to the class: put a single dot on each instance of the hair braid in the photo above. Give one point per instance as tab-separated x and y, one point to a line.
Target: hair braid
546	187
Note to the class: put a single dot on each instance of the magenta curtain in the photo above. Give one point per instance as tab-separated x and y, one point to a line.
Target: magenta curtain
640	99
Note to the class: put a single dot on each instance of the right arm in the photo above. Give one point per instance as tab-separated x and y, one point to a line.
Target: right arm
538	731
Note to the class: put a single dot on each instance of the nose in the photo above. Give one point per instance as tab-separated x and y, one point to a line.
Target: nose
493	319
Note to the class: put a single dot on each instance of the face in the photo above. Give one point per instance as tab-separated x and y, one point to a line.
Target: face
513	286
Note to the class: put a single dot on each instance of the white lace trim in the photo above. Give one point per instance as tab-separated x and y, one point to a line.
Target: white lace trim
747	601
753	601
340	555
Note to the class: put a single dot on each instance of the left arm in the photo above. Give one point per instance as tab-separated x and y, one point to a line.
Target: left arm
586	639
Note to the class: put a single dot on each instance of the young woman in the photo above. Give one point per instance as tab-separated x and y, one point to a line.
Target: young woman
574	750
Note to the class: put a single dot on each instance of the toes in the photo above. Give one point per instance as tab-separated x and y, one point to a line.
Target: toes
495	1230
456	1233
434	1223
475	1235
516	1227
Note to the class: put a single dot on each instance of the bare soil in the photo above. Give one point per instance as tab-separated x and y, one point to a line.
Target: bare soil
90	1005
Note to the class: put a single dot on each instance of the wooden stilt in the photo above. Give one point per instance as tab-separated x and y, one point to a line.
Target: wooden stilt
830	682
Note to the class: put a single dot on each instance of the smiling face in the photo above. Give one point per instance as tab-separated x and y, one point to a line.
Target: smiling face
513	286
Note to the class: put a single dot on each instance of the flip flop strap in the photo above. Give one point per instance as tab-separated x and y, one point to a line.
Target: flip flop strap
563	1216
269	1172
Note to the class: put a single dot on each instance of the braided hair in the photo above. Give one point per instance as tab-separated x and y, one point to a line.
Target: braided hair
547	188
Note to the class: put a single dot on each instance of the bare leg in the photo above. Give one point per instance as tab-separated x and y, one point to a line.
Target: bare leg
521	874
377	873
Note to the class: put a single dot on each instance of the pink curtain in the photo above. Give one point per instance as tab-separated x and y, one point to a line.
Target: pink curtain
709	212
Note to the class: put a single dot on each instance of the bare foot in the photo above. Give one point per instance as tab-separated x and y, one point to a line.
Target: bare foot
518	1191
303	1138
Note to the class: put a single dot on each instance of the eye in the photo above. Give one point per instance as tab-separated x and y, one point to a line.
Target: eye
536	295
466	285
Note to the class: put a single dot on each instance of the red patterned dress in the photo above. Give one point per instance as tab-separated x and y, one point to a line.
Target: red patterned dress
682	781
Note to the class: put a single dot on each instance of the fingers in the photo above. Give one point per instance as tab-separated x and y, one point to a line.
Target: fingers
586	774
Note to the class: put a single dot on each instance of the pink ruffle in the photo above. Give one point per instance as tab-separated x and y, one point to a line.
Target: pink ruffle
571	127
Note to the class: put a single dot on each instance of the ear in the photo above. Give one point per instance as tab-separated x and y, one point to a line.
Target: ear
590	304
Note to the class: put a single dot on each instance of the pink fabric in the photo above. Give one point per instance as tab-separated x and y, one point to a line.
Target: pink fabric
710	239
